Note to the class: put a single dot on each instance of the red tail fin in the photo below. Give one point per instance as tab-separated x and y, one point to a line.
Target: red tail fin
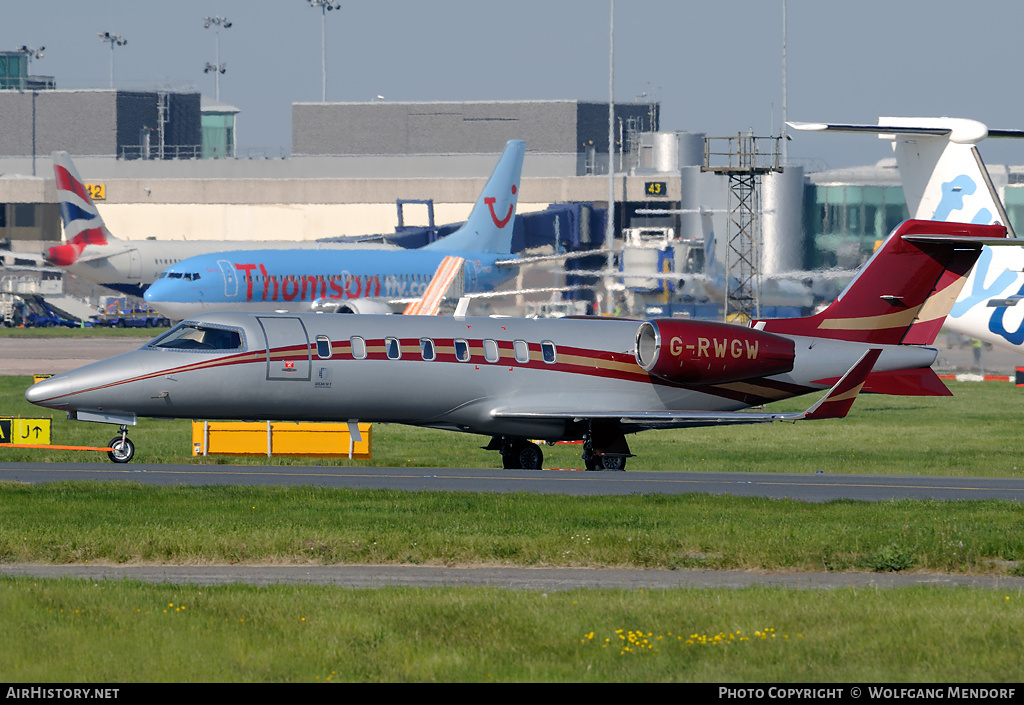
906	289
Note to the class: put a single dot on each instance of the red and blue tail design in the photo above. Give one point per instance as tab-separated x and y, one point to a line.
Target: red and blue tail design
904	292
83	224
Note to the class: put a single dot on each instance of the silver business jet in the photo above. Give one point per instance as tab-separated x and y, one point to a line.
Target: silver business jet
517	379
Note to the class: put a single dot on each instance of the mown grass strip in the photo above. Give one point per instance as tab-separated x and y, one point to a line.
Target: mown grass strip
124	632
126	522
974	433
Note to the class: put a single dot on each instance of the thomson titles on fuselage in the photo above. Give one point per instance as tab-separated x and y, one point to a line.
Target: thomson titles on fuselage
269	287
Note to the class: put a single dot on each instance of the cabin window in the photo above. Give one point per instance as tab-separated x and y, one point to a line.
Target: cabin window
461	350
427	348
522	351
323	347
490	351
358	348
196	337
393	348
547	350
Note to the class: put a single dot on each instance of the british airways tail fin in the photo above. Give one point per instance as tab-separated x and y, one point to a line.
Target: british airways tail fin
905	291
490	224
944	177
83	224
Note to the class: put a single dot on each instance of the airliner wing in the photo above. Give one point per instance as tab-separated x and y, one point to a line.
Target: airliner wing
834	405
447	272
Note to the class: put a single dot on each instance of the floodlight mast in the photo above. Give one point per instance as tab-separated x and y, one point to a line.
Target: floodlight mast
325	7
113	40
609	228
216	68
30	53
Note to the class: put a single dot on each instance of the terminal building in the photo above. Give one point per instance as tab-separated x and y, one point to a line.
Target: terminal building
169	168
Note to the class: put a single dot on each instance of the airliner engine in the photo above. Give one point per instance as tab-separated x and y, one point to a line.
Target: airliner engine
704	352
362	306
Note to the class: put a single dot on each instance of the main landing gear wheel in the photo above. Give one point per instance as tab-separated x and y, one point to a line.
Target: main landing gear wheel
121	448
522	454
605	462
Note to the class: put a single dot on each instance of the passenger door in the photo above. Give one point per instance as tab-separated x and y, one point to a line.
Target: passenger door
288	353
230	279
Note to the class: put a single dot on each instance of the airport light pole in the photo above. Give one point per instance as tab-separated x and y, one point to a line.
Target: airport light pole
785	149
325	7
216	68
114	40
609	228
30	54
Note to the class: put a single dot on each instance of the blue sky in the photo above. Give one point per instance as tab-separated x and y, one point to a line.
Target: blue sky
714	65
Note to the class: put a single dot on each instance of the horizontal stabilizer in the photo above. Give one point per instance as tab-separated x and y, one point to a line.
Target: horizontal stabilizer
958	129
920	382
870	129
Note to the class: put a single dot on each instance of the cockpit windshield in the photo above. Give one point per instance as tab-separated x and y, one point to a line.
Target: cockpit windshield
190	276
192	336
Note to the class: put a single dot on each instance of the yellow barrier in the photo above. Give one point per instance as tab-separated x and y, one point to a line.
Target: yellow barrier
346	440
25	431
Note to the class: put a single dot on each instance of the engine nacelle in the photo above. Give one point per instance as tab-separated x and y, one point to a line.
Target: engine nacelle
705	352
361	306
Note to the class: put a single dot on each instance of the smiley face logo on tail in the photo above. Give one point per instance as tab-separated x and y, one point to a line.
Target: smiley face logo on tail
500	222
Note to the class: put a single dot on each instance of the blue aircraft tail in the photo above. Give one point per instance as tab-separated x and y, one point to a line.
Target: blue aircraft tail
489	228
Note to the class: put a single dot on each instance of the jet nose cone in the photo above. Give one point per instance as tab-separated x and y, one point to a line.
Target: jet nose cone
48	391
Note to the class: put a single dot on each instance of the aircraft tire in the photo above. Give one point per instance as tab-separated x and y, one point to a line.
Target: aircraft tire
523	455
530	457
123	450
607	462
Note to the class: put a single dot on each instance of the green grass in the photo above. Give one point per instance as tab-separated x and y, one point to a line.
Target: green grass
122	631
131	523
974	433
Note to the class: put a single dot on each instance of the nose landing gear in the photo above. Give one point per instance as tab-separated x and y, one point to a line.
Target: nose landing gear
121	448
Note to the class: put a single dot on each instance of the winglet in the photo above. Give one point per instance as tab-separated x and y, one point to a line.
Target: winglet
836	404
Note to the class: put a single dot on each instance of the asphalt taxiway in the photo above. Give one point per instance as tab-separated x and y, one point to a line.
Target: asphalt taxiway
804	487
548	579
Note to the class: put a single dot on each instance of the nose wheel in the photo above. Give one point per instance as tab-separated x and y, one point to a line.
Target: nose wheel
121	448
